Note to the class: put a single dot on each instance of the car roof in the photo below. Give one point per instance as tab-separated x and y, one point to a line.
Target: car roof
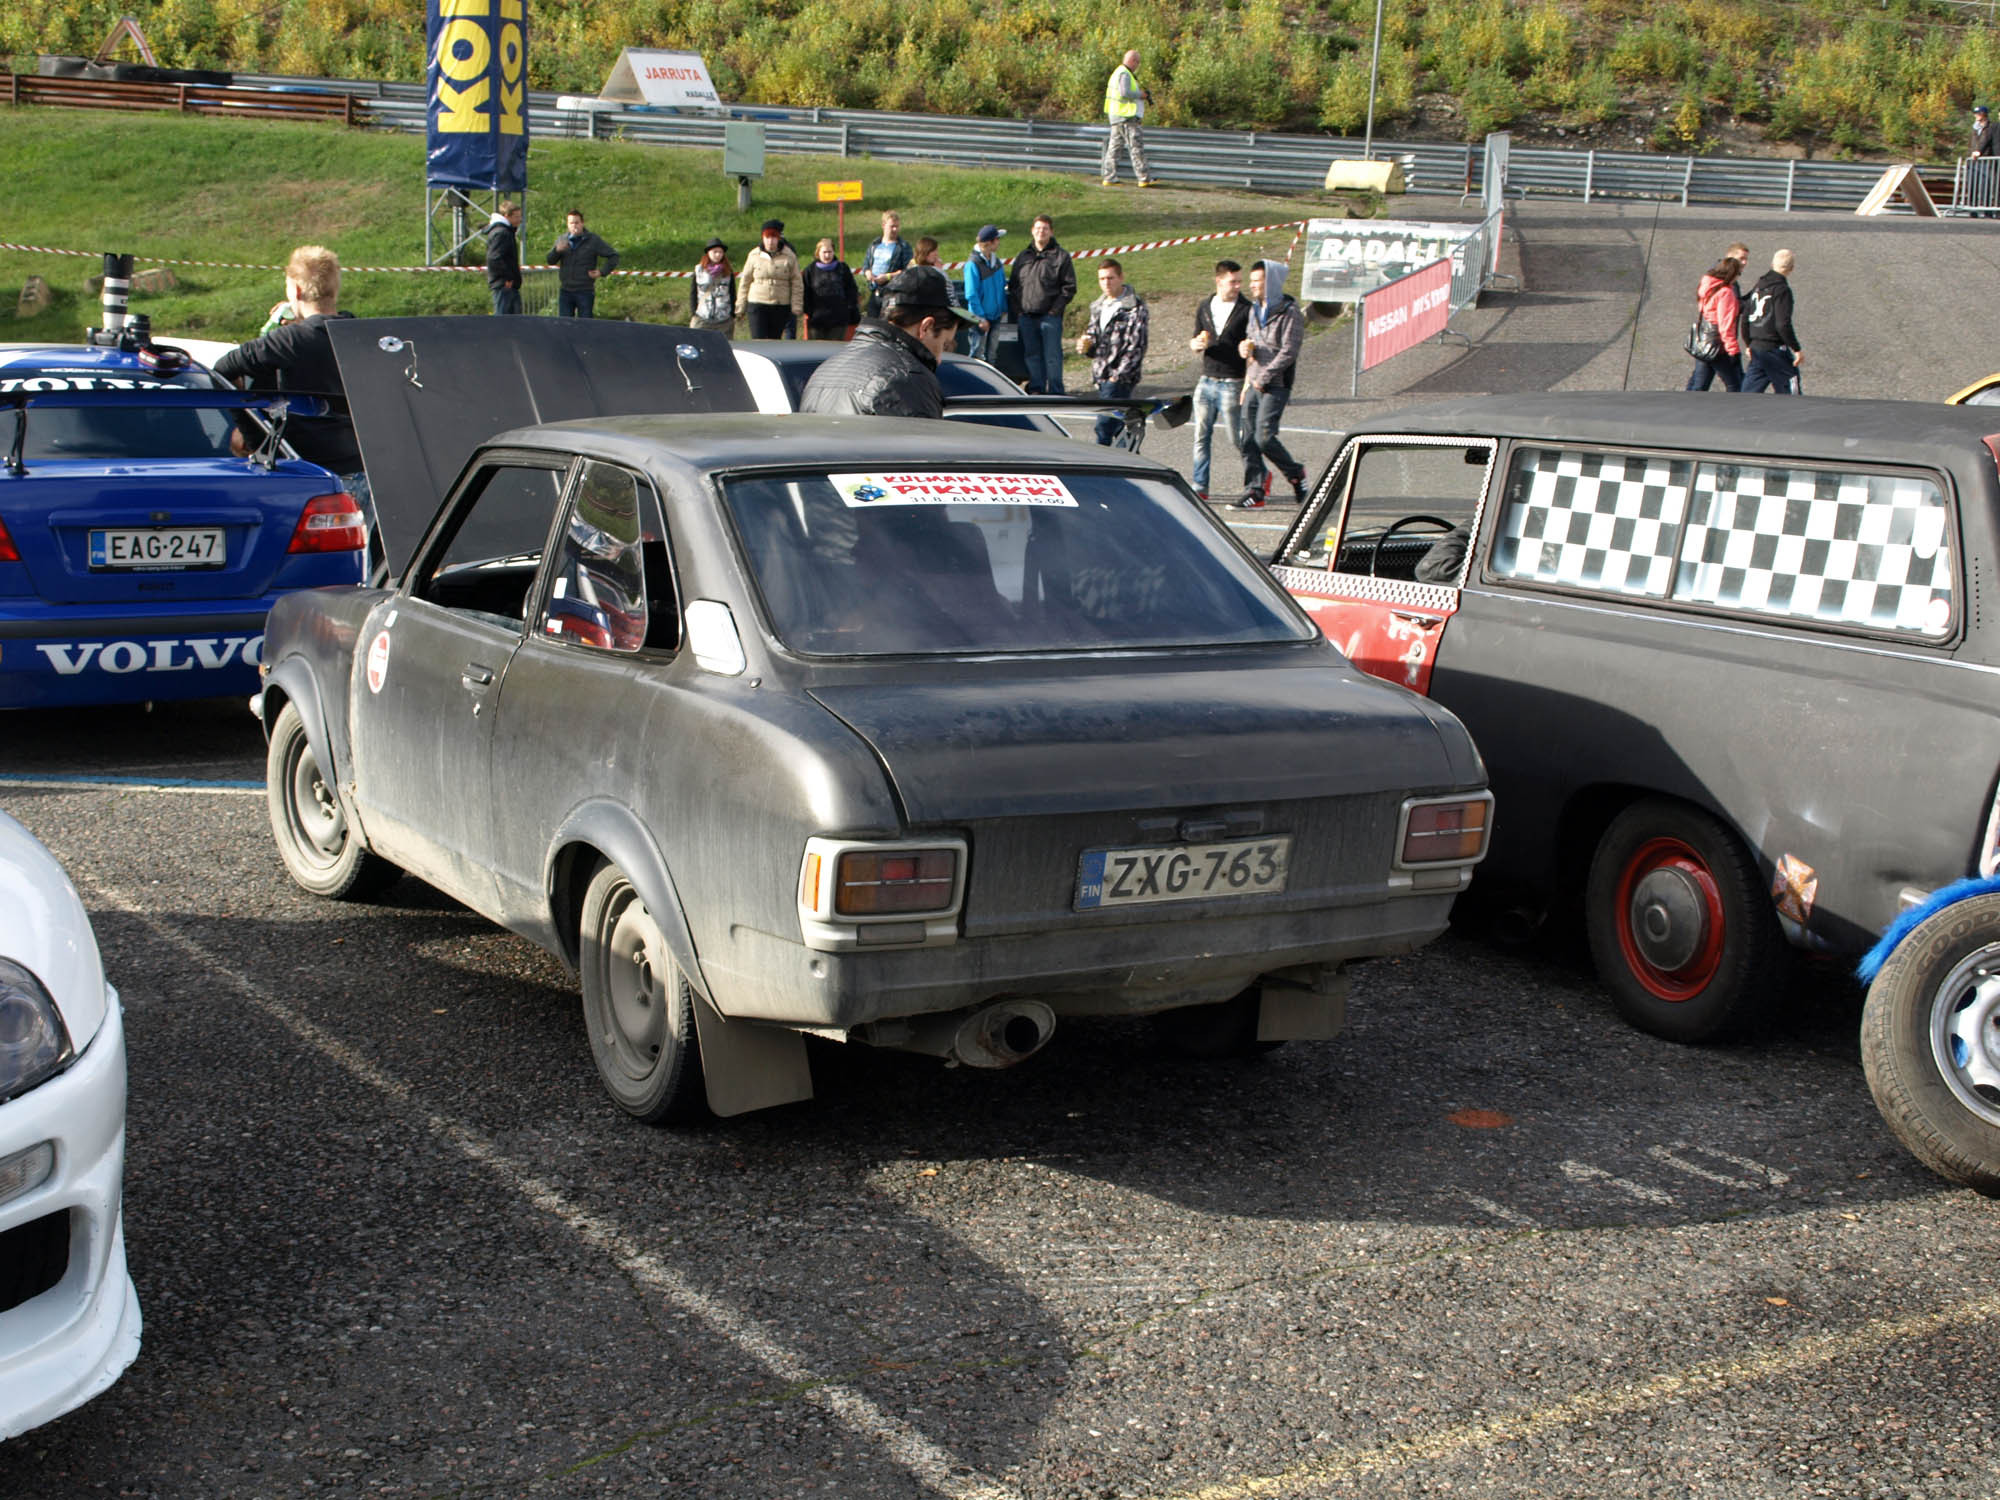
76	357
1821	427
818	351
702	444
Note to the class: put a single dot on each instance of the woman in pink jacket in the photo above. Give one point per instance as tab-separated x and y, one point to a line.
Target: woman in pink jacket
1716	297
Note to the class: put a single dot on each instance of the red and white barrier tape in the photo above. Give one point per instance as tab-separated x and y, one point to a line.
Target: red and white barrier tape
237	265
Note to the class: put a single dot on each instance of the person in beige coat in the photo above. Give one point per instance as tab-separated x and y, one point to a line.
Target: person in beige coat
771	290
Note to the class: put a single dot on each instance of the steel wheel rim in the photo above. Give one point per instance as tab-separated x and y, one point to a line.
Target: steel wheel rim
1670	917
638	981
319	826
1965	1032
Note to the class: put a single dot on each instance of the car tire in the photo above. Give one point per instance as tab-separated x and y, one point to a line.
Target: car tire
321	850
1680	927
1930	1043
1210	1033
638	1009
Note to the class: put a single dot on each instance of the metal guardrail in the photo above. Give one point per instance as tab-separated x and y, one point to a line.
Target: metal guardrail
1257	160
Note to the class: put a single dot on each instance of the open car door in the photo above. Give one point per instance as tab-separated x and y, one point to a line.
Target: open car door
1379	557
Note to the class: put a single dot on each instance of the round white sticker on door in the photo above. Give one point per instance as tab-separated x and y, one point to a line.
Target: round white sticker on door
378	661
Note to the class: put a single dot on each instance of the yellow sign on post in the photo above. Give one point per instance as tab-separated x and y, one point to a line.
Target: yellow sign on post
842	193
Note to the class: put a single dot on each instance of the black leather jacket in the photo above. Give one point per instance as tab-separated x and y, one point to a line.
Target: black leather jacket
882	372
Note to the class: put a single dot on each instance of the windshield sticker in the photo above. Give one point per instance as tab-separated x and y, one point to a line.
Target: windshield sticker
868	491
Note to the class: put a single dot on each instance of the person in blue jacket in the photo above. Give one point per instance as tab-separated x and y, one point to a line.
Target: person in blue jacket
986	290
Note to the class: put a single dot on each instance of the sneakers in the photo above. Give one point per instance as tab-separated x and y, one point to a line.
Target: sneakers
1149	182
1113	182
1201	495
1251	501
1299	489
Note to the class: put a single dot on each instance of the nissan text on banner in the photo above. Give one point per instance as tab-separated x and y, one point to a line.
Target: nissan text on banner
478	112
1404	313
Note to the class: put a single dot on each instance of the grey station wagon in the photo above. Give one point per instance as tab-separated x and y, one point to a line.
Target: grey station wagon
1730	662
913	734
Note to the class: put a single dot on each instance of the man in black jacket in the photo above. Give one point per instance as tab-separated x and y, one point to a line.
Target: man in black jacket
1041	284
578	250
889	368
297	358
1767	320
503	258
1221	323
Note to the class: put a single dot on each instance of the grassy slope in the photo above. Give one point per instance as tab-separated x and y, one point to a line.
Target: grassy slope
165	186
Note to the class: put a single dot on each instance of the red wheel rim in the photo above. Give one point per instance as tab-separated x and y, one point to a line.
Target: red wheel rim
1675	864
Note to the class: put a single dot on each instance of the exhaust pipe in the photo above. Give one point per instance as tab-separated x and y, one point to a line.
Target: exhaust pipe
1003	1034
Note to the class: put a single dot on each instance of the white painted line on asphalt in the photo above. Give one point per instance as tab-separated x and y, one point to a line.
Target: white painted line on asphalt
1766	1176
923	1459
1504	1215
1578	1171
169	786
1814	1352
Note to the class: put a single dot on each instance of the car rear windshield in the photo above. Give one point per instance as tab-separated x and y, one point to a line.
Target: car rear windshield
870	563
135	431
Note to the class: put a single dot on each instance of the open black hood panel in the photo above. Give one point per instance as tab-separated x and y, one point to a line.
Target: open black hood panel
425	392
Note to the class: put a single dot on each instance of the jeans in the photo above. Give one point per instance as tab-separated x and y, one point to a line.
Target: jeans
1727	365
1261	412
981	344
1041	347
506	299
1772	370
1213	398
1111	424
768	319
581	304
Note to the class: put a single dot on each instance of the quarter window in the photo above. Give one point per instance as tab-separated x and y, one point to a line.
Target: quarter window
604	588
1835	546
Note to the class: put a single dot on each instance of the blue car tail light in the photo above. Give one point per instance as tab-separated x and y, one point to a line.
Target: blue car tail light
330	523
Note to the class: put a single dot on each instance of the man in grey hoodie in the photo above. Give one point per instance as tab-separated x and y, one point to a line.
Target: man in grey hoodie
1271	352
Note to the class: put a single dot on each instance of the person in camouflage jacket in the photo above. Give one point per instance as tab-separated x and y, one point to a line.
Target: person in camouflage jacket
1115	341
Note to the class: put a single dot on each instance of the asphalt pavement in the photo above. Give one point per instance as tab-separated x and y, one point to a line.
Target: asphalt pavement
390	1238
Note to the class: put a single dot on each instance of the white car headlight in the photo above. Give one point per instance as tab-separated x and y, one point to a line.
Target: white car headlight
34	1043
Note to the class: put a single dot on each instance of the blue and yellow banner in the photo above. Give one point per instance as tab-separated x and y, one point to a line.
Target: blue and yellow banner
478	75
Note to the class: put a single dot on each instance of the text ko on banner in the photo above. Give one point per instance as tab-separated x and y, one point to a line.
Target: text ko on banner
477	118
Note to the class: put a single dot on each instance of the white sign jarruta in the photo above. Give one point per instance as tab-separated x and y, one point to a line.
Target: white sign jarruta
1346	257
669	80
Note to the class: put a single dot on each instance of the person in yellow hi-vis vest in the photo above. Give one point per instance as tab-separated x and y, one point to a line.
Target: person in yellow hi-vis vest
1125	107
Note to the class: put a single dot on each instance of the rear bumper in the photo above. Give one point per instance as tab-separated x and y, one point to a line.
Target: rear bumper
51	661
1086	969
59	1349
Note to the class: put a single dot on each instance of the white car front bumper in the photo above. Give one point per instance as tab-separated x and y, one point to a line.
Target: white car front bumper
64	1346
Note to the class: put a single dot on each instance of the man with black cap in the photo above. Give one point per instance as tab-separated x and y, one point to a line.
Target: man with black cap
1982	133
889	369
986	289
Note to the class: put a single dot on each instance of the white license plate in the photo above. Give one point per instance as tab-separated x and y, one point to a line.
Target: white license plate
1182	872
158	547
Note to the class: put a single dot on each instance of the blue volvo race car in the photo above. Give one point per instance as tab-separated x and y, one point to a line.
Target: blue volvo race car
139	554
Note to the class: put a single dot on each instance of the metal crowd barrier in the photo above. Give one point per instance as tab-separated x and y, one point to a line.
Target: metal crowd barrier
1975	186
1258	160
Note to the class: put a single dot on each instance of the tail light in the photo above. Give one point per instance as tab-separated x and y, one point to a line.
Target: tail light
8	551
860	893
1438	831
330	523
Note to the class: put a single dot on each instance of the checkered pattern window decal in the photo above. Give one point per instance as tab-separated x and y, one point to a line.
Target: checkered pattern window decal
1849	549
1593	520
1872	550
